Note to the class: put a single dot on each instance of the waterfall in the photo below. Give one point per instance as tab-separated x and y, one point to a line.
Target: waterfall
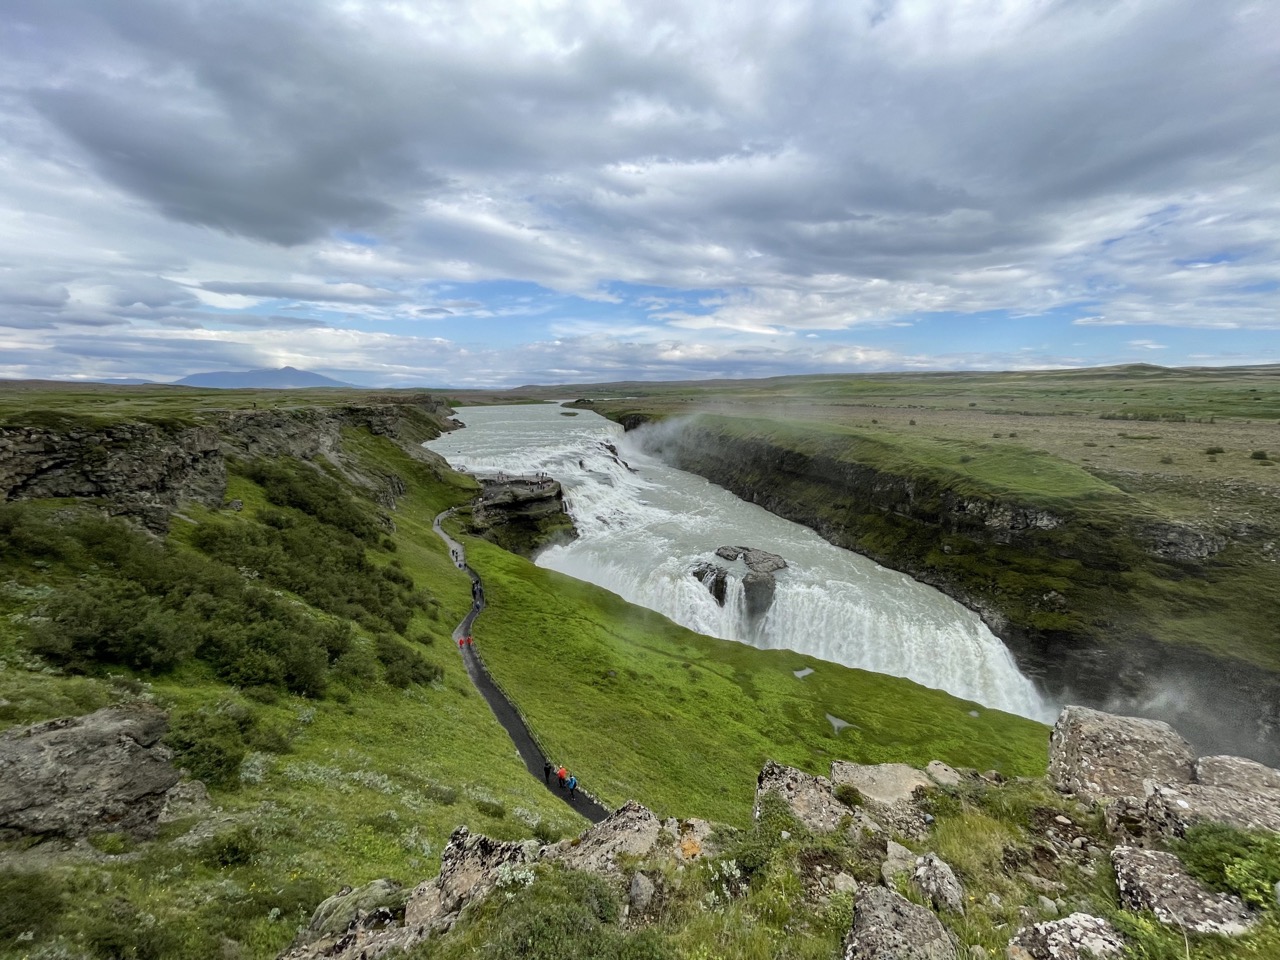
645	526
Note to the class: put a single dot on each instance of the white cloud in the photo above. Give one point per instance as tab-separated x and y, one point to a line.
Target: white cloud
806	167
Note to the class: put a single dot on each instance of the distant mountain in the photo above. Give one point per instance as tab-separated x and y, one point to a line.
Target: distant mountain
286	378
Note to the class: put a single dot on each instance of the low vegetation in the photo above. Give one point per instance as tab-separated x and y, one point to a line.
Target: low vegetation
302	647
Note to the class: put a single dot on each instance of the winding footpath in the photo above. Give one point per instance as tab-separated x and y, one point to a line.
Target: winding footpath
512	722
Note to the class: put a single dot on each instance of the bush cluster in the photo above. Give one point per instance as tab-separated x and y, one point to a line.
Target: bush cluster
326	566
151	606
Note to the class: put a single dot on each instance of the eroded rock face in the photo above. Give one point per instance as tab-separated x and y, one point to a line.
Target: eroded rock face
470	866
1156	881
79	775
885	783
1076	937
139	469
1100	756
887	926
809	797
631	829
934	878
888	791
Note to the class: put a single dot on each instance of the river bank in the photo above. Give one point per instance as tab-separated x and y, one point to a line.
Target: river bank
1081	588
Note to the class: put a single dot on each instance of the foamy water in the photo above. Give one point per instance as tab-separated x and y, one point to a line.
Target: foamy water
644	526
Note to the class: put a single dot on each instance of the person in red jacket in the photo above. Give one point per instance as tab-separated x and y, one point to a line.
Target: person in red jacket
562	775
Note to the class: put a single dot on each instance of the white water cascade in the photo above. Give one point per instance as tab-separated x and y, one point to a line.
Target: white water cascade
643	527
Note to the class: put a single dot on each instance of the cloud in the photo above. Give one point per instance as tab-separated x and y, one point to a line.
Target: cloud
798	167
314	292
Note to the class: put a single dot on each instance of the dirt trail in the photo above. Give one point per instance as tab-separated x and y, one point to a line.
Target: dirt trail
502	708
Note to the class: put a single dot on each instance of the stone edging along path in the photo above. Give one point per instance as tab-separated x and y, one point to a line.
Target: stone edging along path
503	709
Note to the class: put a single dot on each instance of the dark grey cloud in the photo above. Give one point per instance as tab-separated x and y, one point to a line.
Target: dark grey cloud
814	165
315	292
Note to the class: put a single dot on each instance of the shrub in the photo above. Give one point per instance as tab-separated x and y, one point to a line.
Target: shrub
29	901
404	665
1259	455
1215	450
209	744
232	848
1245	863
288	483
491	809
849	795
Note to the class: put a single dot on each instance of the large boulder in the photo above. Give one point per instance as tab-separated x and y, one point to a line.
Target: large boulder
79	775
883	783
363	922
631	830
1100	756
715	579
1076	937
809	798
888	926
1156	881
935	879
757	561
888	791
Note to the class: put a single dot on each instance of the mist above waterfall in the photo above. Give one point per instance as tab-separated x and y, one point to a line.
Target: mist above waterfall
644	527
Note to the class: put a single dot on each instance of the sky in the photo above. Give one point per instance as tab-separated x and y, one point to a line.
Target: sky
501	192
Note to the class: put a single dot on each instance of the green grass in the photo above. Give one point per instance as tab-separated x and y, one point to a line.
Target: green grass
642	708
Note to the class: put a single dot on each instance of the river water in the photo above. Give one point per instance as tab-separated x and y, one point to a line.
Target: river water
643	526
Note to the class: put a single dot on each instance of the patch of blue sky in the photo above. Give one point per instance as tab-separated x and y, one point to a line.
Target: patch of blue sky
354	236
1224	256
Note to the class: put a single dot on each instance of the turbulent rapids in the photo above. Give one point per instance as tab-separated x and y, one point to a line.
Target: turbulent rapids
644	527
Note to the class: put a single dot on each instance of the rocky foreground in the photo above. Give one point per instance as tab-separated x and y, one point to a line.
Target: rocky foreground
108	771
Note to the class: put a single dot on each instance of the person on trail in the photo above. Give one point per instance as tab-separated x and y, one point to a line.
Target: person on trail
562	775
573	786
546	772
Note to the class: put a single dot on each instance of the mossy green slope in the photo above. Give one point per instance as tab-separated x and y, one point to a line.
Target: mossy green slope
642	708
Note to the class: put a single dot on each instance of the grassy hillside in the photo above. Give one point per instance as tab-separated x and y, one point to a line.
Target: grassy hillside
302	646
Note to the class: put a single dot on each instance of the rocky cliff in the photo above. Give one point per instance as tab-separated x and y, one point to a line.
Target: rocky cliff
1006	561
521	515
147	468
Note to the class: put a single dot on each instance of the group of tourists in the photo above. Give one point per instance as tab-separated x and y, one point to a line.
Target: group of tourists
563	779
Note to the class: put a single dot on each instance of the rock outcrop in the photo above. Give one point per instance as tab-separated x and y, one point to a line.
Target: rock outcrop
106	771
888	791
1076	937
1150	781
888	926
139	469
521	515
1156	881
759	585
470	866
631	830
809	798
1100	756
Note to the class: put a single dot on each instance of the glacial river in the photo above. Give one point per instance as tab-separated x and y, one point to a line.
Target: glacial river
644	526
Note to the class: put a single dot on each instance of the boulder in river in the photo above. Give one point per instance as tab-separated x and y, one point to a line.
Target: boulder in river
759	584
